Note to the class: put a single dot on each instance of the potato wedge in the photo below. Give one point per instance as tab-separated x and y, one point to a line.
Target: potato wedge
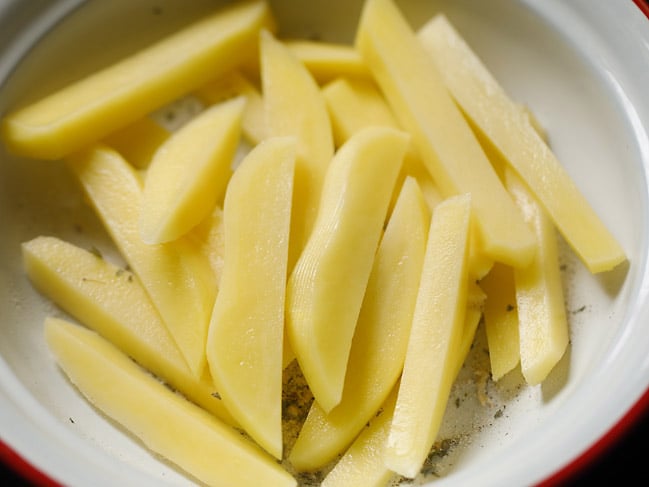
362	463
438	326
326	60
381	335
178	430
501	320
508	127
176	275
414	89
112	301
246	333
189	172
325	290
108	100
235	84
139	141
543	325
295	107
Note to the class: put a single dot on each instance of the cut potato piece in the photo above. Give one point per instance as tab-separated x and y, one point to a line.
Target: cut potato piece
501	320
381	336
180	431
414	89
235	84
210	240
508	127
110	99
327	61
435	339
475	303
295	107
355	104
325	290
189	173
543	326
111	301
244	346
138	142
362	463
175	275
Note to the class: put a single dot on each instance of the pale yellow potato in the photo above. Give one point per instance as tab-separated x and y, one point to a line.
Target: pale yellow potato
357	103
325	290
235	84
508	127
381	336
177	277
501	320
354	104
165	422
326	60
543	325
244	345
413	87
112	301
362	463
108	100
189	172
138	142
295	107
210	240
475	303
433	353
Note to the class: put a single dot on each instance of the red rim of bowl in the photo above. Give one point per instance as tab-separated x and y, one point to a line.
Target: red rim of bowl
637	412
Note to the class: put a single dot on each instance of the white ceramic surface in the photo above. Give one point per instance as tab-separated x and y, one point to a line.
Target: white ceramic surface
583	68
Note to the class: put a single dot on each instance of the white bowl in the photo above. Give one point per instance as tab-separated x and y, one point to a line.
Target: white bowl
583	68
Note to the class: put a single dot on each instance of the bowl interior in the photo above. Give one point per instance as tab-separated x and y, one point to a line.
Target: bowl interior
551	57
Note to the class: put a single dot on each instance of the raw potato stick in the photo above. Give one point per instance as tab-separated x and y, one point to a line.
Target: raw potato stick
249	308
381	335
411	83
434	346
108	100
295	107
165	422
501	320
326	287
189	172
177	277
507	127
543	325
111	301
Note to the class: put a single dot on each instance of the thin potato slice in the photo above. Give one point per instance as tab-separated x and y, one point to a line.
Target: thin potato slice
414	89
508	127
108	100
295	107
325	290
176	275
543	325
189	172
381	336
244	346
434	346
165	422
111	301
